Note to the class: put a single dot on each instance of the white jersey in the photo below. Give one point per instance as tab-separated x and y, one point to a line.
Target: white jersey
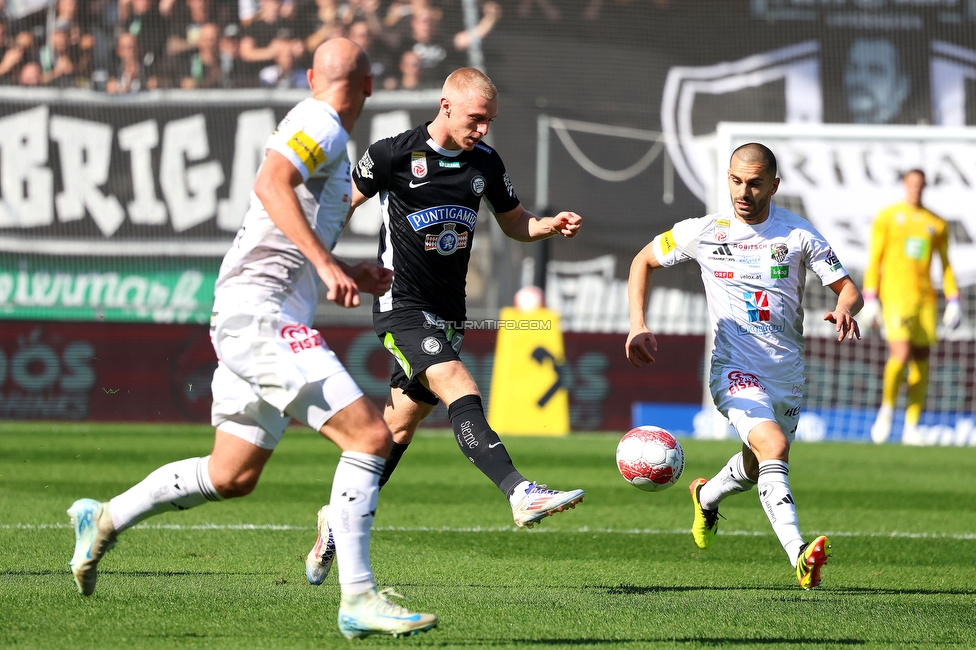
754	278
264	272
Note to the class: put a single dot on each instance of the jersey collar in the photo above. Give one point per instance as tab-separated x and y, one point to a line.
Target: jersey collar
450	153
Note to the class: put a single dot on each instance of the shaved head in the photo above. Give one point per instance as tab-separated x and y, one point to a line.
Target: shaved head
340	77
468	81
339	60
754	153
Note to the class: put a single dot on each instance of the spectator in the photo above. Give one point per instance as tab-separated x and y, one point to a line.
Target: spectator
359	33
30	74
204	66
58	67
410	73
492	12
247	10
80	43
11	58
424	24
185	29
365	10
102	19
265	37
326	17
131	76
146	21
399	10
283	73
231	66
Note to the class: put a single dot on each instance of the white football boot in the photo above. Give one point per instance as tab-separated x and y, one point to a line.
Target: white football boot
94	536
319	561
373	613
539	502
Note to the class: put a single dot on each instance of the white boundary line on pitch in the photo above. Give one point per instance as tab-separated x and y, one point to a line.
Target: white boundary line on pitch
503	529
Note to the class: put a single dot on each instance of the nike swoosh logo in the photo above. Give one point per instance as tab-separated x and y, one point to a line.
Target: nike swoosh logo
414	185
494	444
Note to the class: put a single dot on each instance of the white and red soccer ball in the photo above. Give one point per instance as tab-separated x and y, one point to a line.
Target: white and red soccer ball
650	458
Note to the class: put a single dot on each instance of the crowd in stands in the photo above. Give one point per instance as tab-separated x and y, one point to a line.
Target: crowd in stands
126	46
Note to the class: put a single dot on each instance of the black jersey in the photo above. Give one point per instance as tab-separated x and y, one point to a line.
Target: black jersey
430	197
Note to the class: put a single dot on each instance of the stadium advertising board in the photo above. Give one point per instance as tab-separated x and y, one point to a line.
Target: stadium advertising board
122	289
162	373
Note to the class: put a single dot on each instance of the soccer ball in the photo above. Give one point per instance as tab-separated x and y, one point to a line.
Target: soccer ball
649	458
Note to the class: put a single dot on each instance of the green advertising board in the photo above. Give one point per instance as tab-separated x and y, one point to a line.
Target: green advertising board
107	289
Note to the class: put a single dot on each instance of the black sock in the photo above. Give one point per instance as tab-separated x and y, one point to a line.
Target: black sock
481	445
395	454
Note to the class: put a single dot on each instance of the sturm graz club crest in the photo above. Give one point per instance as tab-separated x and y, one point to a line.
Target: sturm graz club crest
478	185
431	345
446	241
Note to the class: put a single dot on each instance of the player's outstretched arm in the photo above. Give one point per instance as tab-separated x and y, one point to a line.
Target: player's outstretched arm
849	302
275	186
522	225
641	344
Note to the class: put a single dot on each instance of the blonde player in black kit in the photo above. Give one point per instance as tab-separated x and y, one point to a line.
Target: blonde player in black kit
431	181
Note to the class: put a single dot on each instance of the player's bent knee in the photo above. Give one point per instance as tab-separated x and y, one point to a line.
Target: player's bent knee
232	487
359	427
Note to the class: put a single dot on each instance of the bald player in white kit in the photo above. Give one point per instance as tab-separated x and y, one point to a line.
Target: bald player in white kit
273	366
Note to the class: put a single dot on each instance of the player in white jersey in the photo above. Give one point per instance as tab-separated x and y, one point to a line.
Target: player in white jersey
272	366
753	262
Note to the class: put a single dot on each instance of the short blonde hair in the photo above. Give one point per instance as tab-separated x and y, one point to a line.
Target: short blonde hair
469	80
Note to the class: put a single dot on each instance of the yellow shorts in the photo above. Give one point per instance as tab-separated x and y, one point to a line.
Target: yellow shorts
916	326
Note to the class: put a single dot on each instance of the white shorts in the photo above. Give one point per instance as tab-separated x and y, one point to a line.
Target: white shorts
747	400
269	372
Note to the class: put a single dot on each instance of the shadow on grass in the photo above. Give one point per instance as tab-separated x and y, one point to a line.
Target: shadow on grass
138	574
730	641
734	642
638	590
634	590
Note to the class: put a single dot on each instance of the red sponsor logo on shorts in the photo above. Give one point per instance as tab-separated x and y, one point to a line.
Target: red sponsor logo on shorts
302	338
725	274
739	380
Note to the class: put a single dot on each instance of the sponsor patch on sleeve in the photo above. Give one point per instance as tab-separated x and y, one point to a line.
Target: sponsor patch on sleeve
832	260
667	242
307	150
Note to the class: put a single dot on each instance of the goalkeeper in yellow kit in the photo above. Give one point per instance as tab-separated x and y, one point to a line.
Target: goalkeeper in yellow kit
903	239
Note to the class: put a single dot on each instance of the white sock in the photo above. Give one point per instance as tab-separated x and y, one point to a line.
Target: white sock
518	493
177	486
776	500
731	479
352	507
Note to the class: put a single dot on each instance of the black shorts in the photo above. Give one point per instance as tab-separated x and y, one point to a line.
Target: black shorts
417	339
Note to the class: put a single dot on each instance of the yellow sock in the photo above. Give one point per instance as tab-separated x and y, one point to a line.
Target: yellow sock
918	383
892	381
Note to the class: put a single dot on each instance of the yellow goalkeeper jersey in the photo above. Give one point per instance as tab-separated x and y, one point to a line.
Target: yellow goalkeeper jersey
903	239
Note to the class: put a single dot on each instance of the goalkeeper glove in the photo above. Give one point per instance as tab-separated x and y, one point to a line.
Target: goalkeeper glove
952	314
870	314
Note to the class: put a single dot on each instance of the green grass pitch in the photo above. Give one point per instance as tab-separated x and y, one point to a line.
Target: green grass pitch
619	571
